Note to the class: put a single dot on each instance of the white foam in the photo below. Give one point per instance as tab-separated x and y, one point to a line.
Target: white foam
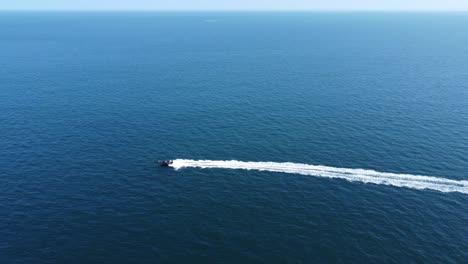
355	175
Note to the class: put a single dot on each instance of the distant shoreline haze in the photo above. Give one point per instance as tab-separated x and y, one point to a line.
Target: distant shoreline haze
239	5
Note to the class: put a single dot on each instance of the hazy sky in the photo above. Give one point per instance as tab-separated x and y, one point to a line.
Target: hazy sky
234	5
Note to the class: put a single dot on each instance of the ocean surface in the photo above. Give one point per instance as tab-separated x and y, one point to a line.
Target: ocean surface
296	137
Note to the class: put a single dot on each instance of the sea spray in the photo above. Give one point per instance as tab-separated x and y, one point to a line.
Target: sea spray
355	175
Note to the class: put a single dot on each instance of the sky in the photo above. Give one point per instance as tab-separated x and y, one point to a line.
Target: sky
199	5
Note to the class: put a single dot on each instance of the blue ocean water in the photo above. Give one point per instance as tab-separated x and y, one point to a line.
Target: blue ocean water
88	101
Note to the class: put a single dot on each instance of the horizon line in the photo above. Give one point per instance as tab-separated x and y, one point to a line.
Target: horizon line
240	10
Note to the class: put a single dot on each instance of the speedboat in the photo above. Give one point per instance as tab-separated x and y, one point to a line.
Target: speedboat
164	163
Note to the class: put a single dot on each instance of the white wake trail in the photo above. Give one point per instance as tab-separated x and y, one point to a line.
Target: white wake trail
355	175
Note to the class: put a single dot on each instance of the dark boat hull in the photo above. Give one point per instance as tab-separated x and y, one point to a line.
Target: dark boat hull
164	163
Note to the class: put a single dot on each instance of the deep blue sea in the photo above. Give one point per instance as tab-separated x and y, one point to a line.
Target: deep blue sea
88	102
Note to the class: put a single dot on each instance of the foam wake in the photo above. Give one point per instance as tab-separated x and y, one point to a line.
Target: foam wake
355	175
